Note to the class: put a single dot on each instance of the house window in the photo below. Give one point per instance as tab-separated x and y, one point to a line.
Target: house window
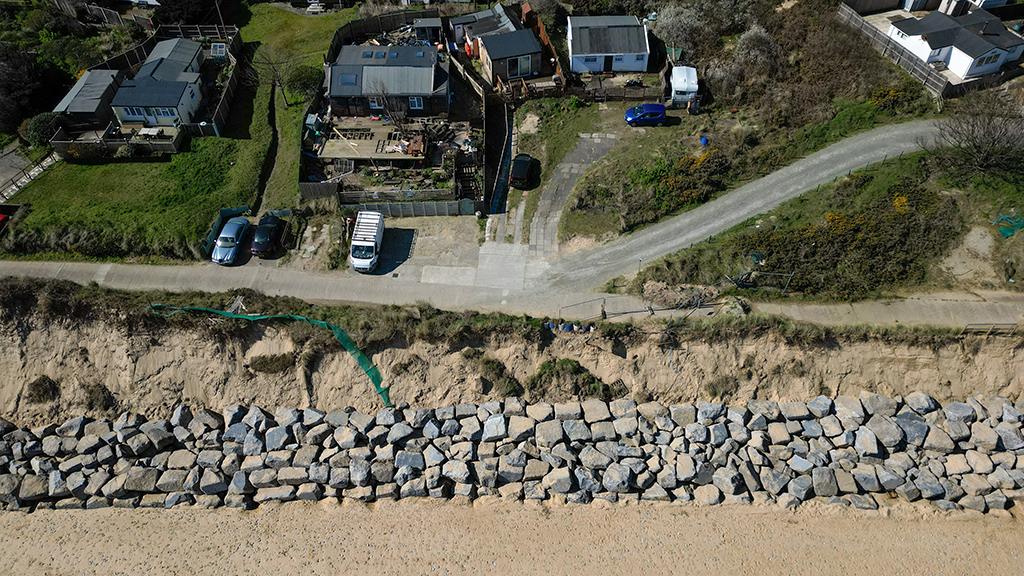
192	93
415	103
166	112
987	60
135	111
618	58
376	103
590	59
640	57
519	66
901	34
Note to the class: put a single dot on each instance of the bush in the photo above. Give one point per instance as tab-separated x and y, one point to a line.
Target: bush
41	127
497	378
41	390
561	377
99	399
272	363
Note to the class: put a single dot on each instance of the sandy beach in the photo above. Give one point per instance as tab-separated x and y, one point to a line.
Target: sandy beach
494	537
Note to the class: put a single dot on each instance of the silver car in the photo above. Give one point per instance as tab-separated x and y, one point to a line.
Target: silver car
227	248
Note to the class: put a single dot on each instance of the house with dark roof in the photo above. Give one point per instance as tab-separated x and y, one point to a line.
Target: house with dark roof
166	90
410	80
971	45
607	44
510	56
87	104
468	29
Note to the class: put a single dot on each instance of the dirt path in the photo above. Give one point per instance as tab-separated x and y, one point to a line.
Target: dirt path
502	538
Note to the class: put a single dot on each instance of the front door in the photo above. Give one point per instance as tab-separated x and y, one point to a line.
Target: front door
607	63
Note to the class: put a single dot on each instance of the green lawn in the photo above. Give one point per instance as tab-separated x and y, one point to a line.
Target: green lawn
878	231
561	122
299	40
163	209
141	209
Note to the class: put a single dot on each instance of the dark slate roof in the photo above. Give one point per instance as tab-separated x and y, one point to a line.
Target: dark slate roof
162	79
148	91
396	70
170	58
607	35
975	33
494	20
518	43
88	94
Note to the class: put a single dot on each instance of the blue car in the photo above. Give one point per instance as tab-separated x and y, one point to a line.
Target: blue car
228	245
646	115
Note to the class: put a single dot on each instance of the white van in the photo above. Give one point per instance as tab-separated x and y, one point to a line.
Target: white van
315	8
684	85
367	237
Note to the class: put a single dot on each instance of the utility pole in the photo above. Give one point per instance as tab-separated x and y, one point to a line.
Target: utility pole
224	29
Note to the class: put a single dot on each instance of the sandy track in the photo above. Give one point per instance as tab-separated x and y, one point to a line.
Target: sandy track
499	538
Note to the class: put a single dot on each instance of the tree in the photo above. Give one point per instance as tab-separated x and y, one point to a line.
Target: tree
41	127
19	83
984	134
305	80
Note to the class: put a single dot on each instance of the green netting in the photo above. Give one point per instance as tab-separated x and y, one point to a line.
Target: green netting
1009	225
365	363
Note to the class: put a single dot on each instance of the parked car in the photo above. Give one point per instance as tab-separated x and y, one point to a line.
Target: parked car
266	241
521	173
646	115
225	251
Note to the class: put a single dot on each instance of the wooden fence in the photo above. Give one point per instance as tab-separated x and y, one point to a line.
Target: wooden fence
464	207
103	149
108	17
533	20
933	80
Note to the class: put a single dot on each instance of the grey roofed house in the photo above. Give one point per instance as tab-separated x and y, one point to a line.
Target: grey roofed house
974	33
494	20
91	94
163	77
607	35
518	43
395	70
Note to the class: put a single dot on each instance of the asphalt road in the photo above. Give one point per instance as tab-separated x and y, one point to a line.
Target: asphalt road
591	268
565	286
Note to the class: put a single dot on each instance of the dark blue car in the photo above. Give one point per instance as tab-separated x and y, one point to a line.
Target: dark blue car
646	115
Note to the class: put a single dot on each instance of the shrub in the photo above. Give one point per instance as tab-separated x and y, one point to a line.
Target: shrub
272	363
497	378
564	376
721	386
98	398
41	127
41	390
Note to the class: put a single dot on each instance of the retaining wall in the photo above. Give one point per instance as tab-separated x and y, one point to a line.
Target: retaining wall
851	451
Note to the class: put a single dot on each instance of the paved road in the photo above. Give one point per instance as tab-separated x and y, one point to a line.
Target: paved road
591	268
566	286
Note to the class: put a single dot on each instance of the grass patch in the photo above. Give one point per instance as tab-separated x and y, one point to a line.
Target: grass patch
494	376
141	209
873	232
569	377
272	363
302	40
561	122
6	139
665	170
41	390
